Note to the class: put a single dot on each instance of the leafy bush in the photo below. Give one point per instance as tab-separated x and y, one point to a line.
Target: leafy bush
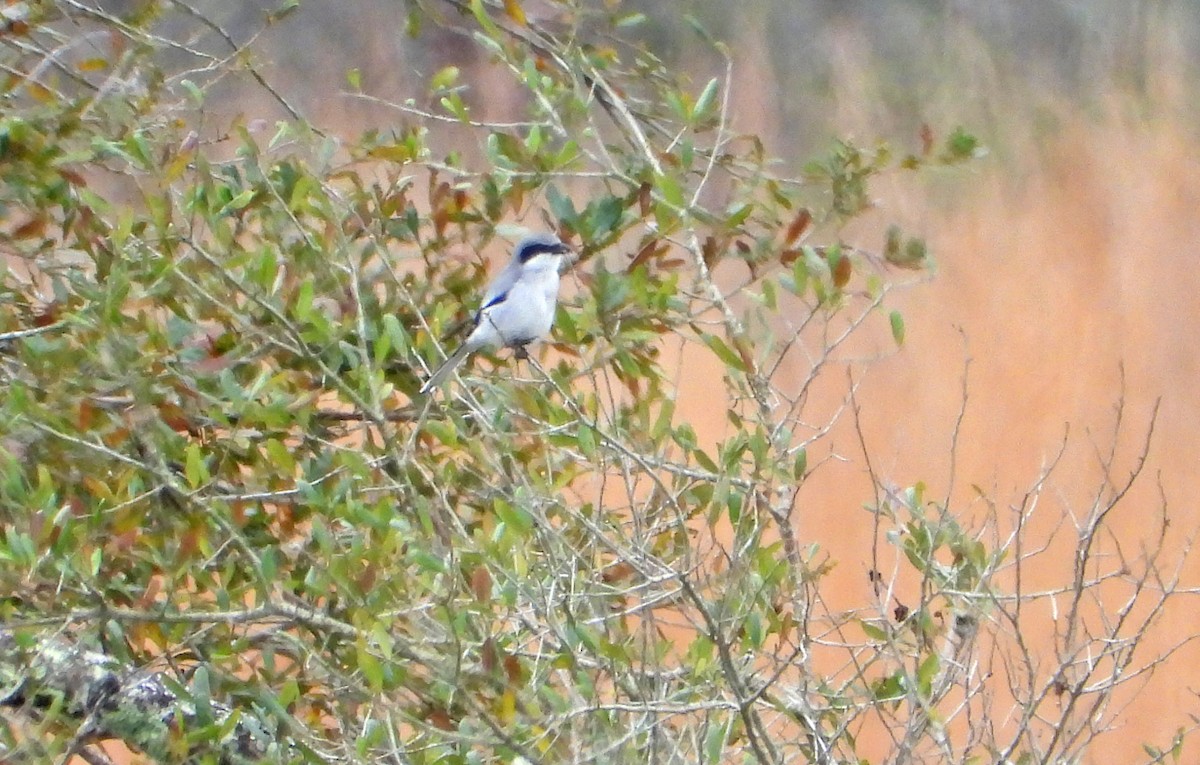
232	531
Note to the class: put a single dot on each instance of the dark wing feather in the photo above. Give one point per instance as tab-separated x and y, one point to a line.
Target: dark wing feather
496	300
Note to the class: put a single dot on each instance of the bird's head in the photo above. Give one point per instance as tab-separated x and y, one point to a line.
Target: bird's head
540	252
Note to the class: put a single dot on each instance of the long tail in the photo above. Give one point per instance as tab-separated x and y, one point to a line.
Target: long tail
441	373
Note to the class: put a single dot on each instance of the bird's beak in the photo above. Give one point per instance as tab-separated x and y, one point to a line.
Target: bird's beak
569	257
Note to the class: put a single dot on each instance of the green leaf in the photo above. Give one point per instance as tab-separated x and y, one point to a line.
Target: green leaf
685	436
371	668
285	9
961	146
705	461
714	741
289	693
270	564
769	296
238	202
897	322
561	205
724	352
427	561
397	335
926	673
195	471
872	632
444	432
890	688
662	423
586	438
453	103
754	630
302	307
484	20
603	216
281	456
201	695
445	78
705	102
799	277
669	188
800	466
515	517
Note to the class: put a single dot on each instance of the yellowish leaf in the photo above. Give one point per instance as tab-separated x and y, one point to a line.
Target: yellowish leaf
515	12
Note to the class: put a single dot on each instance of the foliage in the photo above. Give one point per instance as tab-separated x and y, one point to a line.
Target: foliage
216	467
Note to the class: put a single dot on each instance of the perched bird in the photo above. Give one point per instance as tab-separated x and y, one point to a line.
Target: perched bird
518	306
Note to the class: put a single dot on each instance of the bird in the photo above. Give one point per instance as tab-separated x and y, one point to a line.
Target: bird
517	307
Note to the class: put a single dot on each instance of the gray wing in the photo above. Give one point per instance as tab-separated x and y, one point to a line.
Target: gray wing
500	286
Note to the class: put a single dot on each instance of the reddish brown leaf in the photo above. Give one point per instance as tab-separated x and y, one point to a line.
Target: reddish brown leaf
618	573
799	226
842	272
709	250
437	191
213	364
30	229
788	257
72	177
366	580
86	414
150	594
516	196
439	718
394	203
651	249
36	523
441	216
489	655
513	669
285	516
481	584
189	543
174	417
123	542
785	627
116	437
645	202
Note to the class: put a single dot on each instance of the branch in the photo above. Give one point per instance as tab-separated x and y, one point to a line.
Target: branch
109	701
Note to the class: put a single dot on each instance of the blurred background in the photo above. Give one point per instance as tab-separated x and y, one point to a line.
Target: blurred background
1067	258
